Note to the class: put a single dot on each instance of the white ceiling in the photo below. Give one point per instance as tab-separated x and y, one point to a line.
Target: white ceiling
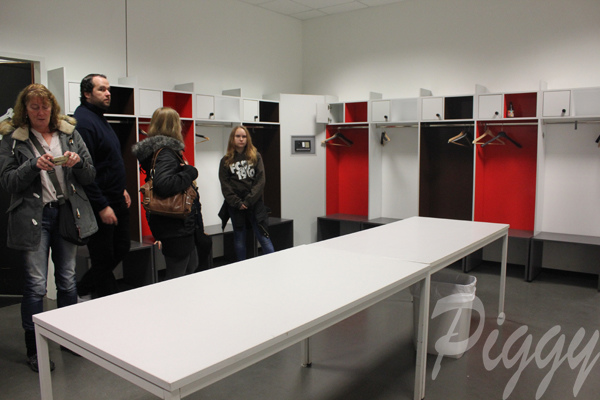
307	9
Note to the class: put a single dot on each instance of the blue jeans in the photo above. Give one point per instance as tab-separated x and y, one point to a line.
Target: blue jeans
36	270
239	234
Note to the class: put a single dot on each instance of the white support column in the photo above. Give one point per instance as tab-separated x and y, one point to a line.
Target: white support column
422	331
305	353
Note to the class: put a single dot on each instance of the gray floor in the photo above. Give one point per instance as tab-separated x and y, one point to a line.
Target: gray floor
371	355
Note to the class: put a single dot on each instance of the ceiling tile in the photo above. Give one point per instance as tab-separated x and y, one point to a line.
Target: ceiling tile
256	2
307	9
308	15
375	3
317	4
286	7
342	8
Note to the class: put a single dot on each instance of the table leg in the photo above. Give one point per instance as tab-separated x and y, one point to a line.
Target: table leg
422	331
503	277
43	354
305	353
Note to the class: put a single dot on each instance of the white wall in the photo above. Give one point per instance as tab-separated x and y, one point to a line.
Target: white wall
208	157
82	36
400	174
217	44
448	46
571	180
302	175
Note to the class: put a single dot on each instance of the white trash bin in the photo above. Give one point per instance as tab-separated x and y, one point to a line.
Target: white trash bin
443	284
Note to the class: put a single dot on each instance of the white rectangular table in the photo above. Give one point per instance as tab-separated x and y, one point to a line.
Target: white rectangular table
176	337
434	242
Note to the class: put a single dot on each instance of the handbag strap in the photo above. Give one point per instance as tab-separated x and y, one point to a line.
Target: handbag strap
154	161
51	174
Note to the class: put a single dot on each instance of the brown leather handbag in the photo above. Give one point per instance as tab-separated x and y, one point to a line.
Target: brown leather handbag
176	206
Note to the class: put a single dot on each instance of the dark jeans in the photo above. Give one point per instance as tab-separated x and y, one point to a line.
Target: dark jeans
181	266
238	220
107	247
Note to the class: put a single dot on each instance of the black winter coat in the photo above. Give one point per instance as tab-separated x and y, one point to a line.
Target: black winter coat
243	183
170	177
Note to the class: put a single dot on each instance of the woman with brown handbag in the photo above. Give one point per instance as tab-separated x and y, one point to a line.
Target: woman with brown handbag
171	175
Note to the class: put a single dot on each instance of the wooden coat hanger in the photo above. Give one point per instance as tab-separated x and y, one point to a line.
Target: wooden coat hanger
206	138
462	135
338	135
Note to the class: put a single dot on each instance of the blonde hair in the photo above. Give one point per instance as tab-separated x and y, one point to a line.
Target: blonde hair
165	121
33	91
250	151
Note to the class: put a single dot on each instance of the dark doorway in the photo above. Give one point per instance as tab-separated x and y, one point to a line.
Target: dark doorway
14	76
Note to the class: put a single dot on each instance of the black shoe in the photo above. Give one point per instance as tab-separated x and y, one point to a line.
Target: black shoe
33	363
66	349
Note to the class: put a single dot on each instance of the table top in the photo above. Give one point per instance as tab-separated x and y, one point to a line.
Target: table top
419	239
180	331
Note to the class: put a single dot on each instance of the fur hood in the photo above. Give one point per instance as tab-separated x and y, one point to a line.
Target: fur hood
146	148
66	125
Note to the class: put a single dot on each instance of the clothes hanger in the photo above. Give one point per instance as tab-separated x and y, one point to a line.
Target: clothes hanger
7	115
206	138
384	138
461	135
488	133
338	135
503	134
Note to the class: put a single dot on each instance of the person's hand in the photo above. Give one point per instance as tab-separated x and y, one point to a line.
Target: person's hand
159	244
243	207
73	158
108	217
45	163
127	198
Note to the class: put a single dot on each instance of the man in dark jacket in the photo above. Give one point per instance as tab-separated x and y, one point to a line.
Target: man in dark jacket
108	195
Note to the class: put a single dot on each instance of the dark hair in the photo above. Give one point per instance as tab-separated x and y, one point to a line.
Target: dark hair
87	85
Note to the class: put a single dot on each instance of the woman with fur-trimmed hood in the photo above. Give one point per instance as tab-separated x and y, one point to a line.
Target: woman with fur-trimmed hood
37	145
172	175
